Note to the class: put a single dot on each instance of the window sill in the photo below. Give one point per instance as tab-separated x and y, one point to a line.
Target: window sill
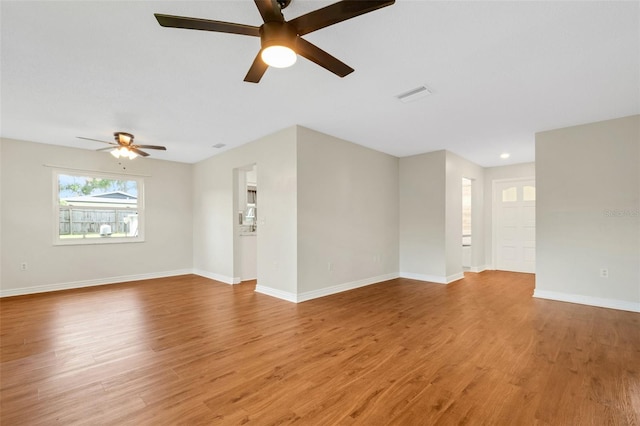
96	241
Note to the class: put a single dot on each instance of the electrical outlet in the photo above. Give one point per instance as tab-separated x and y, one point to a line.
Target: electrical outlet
604	273
23	266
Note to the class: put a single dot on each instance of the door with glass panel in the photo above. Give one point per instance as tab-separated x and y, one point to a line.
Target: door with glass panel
515	204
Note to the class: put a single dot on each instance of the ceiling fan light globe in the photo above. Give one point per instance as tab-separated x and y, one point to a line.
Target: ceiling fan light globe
279	56
132	155
115	153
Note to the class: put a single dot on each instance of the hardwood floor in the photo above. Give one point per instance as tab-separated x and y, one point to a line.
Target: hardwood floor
188	350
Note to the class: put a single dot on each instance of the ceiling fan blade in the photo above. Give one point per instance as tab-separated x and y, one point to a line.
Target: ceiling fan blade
140	153
335	13
269	10
206	25
97	140
257	70
322	58
162	148
109	148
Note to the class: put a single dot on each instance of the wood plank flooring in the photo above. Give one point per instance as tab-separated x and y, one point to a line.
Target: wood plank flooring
188	350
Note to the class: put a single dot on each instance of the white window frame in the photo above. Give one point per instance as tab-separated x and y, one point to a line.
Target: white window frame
92	241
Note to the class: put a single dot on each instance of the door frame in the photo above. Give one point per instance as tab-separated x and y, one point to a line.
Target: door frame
494	214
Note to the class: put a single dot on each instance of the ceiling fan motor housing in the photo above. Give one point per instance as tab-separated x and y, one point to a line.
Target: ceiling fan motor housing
123	138
278	34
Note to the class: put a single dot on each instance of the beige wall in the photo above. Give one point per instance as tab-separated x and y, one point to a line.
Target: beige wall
28	222
215	234
431	216
588	213
327	218
422	186
347	214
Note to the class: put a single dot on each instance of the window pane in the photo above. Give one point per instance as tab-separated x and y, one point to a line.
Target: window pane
96	208
509	195
529	193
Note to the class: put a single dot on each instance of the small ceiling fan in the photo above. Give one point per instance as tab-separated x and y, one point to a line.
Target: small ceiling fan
280	39
124	146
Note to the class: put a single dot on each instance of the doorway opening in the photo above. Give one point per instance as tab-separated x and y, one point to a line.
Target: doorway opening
467	191
246	224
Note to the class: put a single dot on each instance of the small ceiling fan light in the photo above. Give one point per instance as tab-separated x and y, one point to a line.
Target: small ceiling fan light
132	155
115	152
278	56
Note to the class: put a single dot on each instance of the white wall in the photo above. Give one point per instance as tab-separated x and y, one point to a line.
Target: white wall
28	222
214	213
457	168
422	185
491	174
588	213
347	215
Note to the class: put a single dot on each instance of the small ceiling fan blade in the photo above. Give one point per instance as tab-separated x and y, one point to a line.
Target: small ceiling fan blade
322	58
269	10
206	25
140	153
109	148
257	70
335	13
97	140
162	148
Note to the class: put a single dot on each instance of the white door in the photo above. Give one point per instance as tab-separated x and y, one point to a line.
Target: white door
515	204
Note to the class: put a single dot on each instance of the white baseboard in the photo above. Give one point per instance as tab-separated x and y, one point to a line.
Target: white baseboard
422	277
622	305
279	294
433	278
314	294
91	283
217	277
322	292
478	269
454	277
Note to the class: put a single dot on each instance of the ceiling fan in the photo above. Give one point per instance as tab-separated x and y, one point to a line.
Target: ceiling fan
124	146
280	39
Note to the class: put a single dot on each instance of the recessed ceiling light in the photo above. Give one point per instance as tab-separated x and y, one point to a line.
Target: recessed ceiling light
505	155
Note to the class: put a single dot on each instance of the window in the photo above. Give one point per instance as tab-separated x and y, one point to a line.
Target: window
510	195
95	208
529	193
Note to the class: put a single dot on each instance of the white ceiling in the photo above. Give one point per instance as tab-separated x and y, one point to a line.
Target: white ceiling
499	72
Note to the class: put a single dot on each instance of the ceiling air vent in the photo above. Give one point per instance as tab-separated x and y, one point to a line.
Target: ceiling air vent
414	94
